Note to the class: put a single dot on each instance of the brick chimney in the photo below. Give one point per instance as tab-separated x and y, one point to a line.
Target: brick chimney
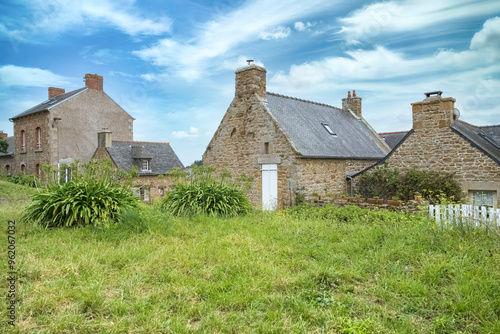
433	112
93	81
3	135
352	103
53	91
104	138
250	80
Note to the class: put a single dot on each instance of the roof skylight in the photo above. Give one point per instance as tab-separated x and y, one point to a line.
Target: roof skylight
327	128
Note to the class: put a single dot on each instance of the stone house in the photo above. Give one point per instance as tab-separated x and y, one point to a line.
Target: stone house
150	159
64	128
294	149
439	141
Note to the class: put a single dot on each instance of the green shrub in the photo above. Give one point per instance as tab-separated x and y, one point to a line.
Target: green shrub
436	187
212	199
25	180
78	203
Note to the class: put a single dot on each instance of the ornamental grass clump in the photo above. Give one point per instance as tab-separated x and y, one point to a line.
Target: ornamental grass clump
78	203
203	193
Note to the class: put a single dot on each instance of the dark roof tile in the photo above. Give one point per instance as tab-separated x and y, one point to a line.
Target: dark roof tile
304	123
126	154
50	103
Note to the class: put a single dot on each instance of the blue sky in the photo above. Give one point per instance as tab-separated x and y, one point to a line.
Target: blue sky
171	64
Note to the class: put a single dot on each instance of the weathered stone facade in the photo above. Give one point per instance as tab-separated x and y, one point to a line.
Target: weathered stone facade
68	130
249	137
434	145
240	141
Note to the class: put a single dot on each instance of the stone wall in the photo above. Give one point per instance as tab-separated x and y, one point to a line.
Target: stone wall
158	187
435	146
326	177
32	155
240	141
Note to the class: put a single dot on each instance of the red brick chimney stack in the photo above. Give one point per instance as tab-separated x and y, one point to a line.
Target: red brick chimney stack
93	81
53	91
3	135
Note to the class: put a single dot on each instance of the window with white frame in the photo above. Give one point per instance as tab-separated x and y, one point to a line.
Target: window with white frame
146	165
23	141
482	198
38	138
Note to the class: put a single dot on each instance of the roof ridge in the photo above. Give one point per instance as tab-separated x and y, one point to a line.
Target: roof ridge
488	126
388	133
302	100
141	142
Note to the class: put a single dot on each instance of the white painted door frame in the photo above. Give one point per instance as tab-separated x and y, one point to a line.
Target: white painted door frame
269	186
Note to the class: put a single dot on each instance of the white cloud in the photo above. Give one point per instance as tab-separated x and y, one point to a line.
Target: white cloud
409	15
11	75
488	37
215	39
54	16
276	33
192	132
301	26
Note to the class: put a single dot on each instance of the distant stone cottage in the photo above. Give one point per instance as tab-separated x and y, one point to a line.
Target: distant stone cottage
292	148
439	141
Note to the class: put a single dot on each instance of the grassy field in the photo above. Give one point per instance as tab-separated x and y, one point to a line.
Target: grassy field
303	270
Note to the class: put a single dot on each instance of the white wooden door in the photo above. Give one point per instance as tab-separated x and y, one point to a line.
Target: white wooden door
269	186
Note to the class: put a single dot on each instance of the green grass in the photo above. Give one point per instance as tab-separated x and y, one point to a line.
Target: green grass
341	271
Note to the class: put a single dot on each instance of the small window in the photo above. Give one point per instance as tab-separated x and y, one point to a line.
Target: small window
146	166
327	128
23	168
38	138
7	170
482	198
162	192
266	147
23	141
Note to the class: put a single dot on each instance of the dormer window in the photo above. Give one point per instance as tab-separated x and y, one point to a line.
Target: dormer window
146	165
327	128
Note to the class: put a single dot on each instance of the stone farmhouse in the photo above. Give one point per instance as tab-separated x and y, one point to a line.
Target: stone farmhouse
65	128
293	148
150	159
439	141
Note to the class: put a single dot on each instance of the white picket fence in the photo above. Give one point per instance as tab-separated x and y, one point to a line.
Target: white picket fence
471	215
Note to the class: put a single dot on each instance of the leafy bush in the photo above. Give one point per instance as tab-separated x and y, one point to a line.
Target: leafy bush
78	203
212	199
204	192
382	182
436	187
25	180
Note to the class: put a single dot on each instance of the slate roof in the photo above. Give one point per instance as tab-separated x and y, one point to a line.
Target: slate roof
126	154
10	149
302	122
478	138
50	103
493	131
393	138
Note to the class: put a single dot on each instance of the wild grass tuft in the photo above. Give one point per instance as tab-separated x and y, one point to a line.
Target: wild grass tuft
78	203
209	199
